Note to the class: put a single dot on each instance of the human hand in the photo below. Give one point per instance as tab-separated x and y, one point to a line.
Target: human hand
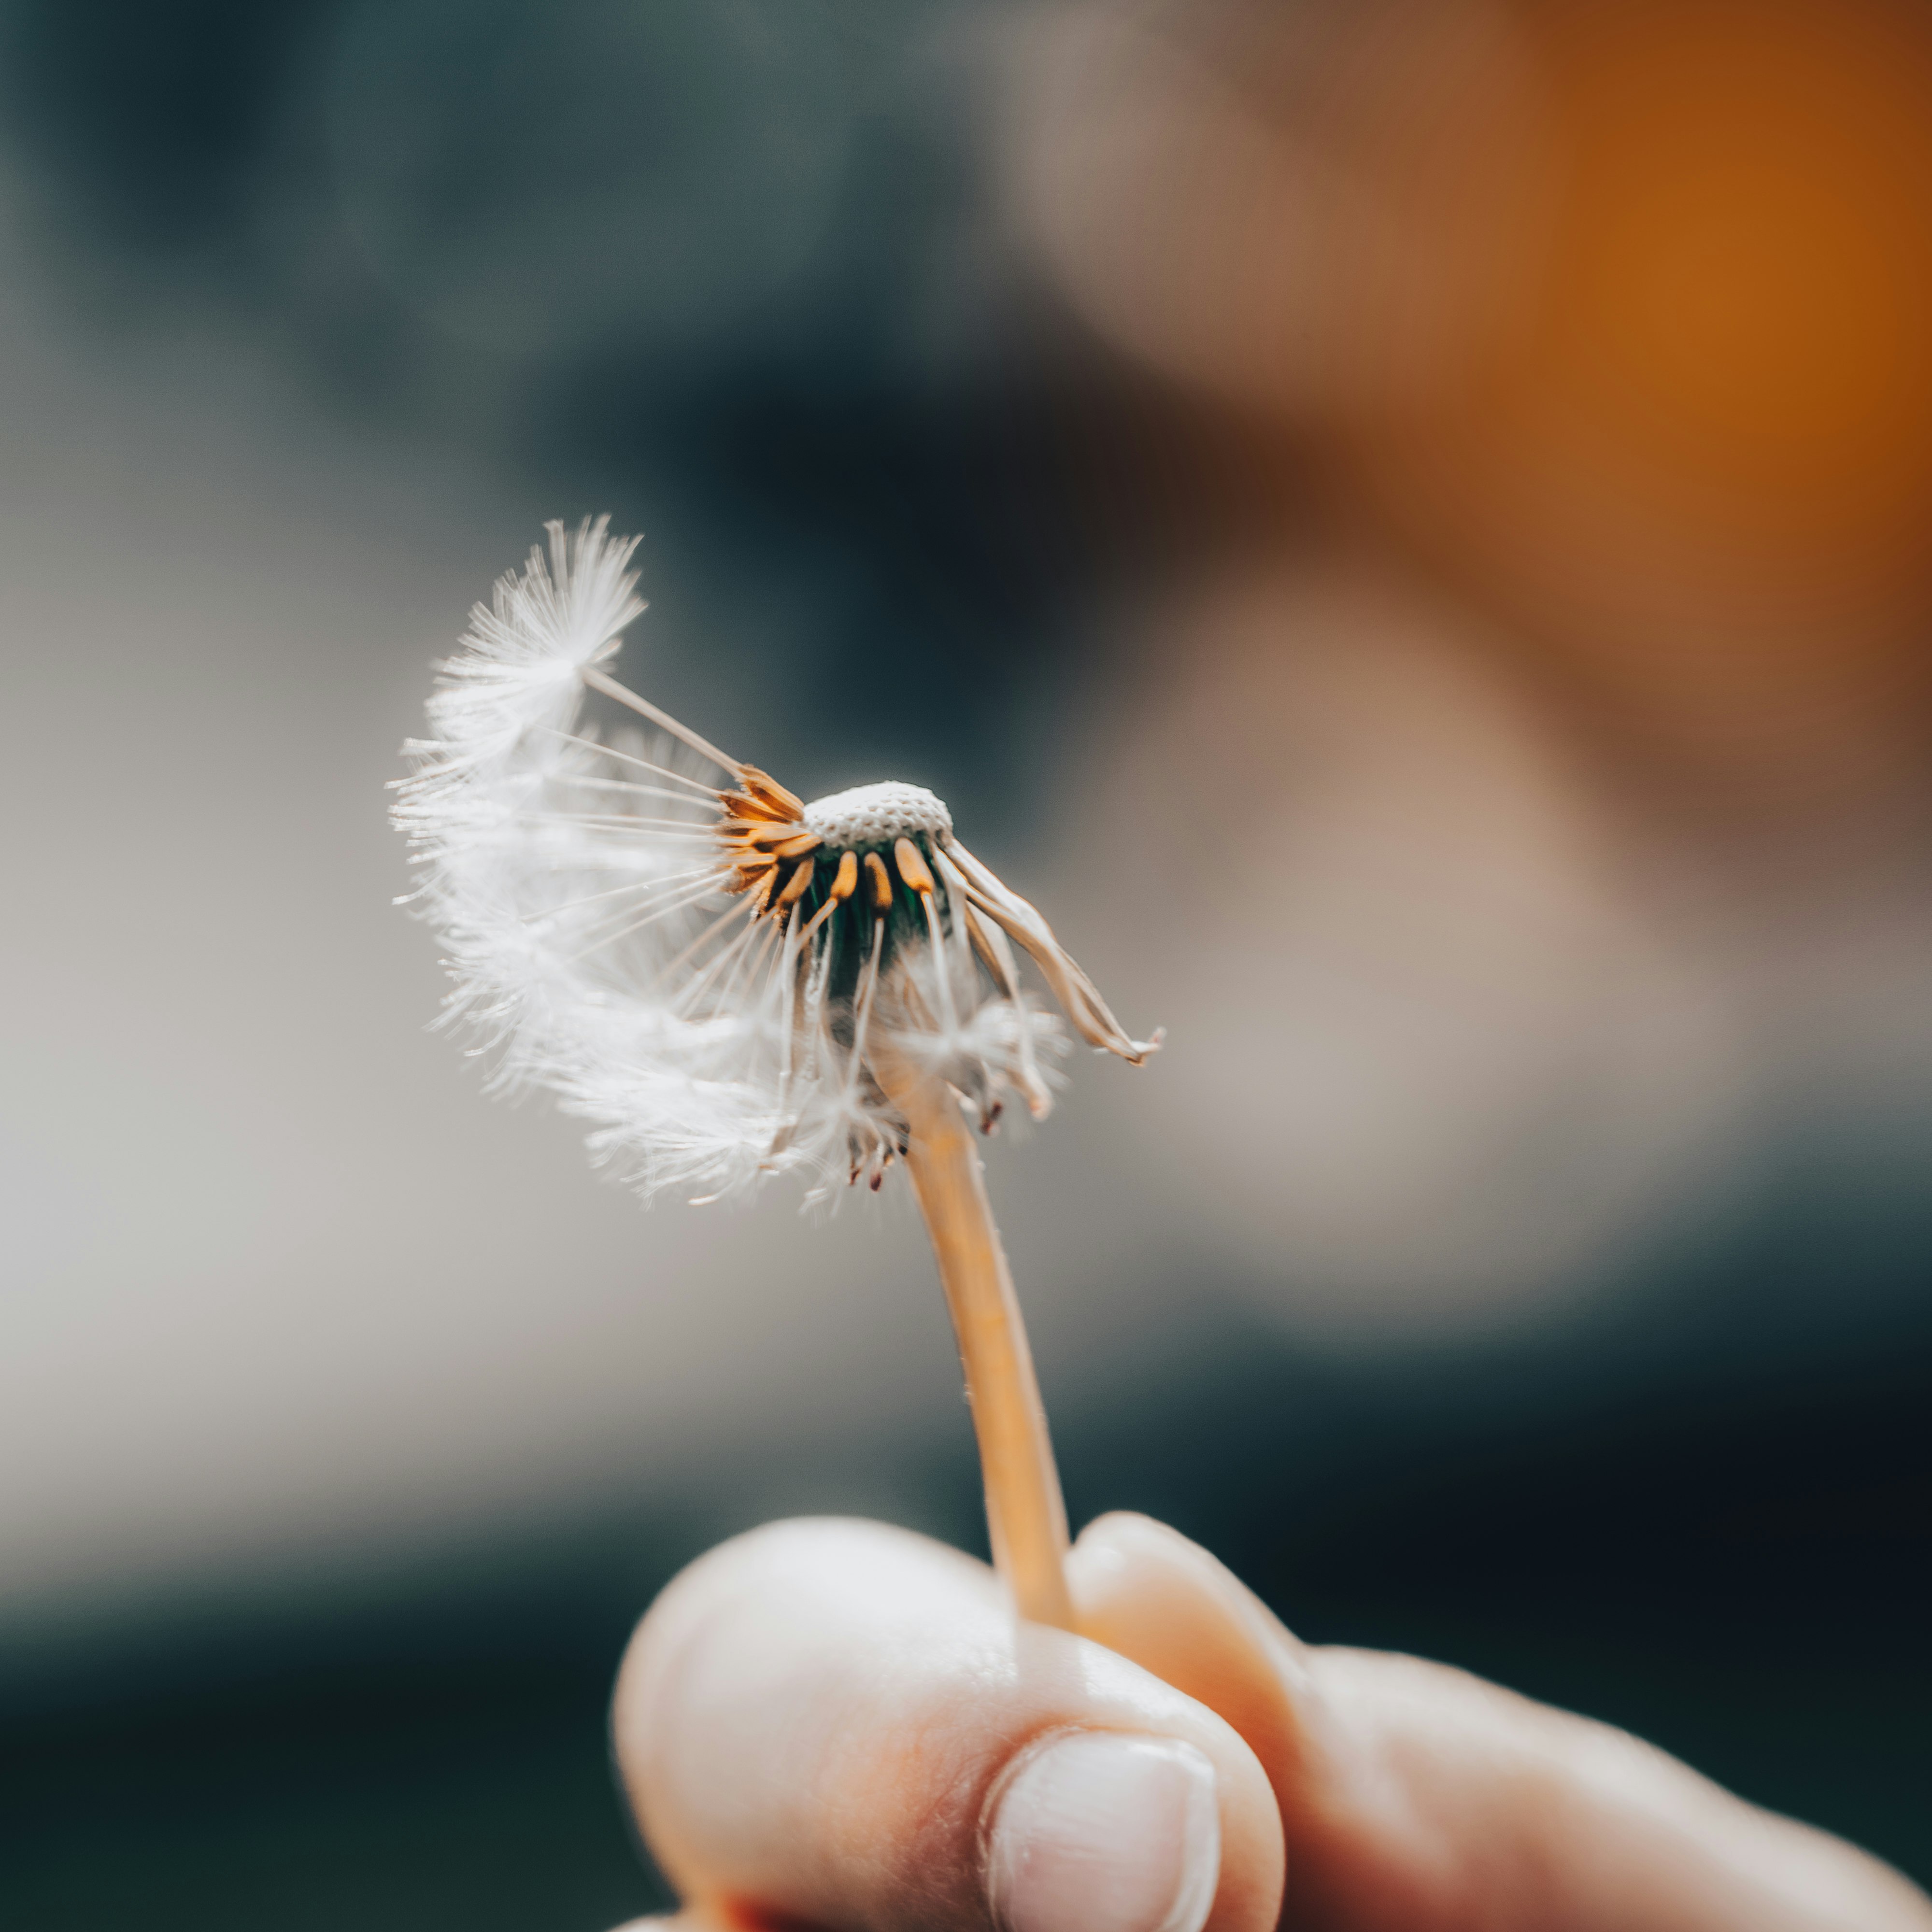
838	1725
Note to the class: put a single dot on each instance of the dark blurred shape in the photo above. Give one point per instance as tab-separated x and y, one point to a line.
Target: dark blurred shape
150	125
540	177
719	267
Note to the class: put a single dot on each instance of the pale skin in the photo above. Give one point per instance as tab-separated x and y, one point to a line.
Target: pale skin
816	1722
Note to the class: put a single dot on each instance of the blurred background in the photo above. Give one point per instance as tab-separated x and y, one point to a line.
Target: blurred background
1403	523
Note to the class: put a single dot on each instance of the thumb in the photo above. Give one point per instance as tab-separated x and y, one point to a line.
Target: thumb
1414	1798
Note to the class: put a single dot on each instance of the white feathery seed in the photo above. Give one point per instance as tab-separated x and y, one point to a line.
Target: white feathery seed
712	972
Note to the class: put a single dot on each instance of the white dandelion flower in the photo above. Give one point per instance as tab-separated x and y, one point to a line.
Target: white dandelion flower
730	983
722	977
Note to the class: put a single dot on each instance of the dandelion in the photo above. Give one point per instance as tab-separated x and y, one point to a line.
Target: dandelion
732	984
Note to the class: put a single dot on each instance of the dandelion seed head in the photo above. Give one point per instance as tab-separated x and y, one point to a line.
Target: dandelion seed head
727	983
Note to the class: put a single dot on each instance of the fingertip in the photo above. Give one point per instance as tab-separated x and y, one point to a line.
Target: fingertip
738	1638
1148	1592
1124	1544
809	1553
1129	1569
805	1569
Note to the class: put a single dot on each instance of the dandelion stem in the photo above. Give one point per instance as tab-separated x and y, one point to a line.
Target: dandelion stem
1026	1515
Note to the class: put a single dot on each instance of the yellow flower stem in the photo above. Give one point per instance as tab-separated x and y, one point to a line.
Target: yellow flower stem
1026	1515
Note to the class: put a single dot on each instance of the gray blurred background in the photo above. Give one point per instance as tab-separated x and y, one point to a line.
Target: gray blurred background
1402	524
